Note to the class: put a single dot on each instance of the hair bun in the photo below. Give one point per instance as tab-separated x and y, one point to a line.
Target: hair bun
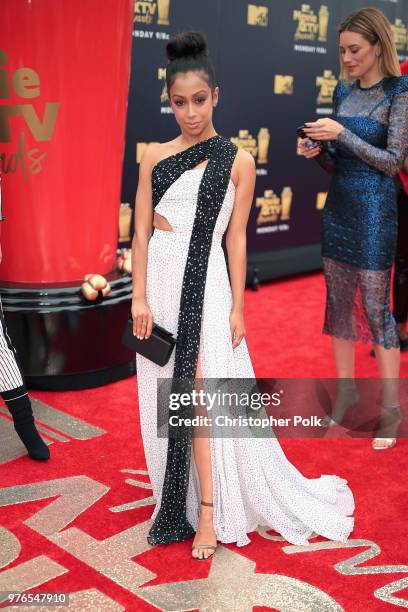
187	44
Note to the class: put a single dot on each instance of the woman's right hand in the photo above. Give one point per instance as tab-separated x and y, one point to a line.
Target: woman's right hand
307	152
142	319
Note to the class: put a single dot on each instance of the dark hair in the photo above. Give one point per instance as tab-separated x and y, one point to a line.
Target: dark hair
189	51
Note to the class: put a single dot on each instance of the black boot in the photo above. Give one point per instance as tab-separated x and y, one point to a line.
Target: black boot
19	404
404	345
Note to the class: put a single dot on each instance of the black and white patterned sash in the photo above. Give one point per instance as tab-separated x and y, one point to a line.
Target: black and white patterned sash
171	524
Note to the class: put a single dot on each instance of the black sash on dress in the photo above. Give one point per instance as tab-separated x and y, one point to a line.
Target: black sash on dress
171	524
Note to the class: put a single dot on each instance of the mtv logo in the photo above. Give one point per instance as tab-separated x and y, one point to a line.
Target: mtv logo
258	15
283	84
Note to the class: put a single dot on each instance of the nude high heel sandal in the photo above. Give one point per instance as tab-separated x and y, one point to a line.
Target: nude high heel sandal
387	426
203	546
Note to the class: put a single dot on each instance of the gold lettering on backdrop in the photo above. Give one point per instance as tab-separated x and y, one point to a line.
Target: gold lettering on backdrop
400	34
307	23
163	12
25	83
258	15
283	84
146	10
246	141
263	145
257	147
273	207
161	75
286	202
310	25
327	82
323	23
270	207
321	200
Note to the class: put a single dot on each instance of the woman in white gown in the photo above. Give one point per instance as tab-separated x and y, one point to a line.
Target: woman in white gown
192	190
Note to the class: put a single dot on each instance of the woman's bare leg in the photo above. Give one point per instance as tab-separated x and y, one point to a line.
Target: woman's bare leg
346	391
388	361
202	457
344	357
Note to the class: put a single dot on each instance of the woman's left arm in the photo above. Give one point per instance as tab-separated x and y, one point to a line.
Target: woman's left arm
236	240
388	160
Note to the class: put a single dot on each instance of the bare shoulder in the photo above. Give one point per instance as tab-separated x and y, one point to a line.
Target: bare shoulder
244	161
156	151
244	166
166	149
149	155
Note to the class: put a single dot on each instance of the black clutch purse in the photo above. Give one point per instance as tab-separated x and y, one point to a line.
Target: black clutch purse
158	347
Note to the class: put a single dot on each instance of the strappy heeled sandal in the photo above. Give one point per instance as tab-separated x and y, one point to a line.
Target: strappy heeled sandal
384	442
203	546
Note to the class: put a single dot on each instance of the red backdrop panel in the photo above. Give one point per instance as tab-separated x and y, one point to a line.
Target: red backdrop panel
64	75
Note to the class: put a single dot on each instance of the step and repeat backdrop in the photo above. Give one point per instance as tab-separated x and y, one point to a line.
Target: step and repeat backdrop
277	65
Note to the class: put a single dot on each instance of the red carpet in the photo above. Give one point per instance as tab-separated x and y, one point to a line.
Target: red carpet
93	551
284	322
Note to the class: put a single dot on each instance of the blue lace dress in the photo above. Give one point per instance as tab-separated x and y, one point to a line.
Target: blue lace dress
360	215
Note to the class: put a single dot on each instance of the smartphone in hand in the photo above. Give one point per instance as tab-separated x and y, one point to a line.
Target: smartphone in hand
311	144
300	131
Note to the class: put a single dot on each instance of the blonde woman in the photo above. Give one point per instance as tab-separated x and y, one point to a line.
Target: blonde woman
364	147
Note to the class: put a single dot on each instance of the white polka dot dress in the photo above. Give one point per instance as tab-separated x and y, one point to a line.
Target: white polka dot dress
253	482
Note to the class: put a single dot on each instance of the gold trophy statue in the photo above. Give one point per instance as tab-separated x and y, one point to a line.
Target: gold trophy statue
323	23
164	95
321	200
163	10
286	202
125	217
263	145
